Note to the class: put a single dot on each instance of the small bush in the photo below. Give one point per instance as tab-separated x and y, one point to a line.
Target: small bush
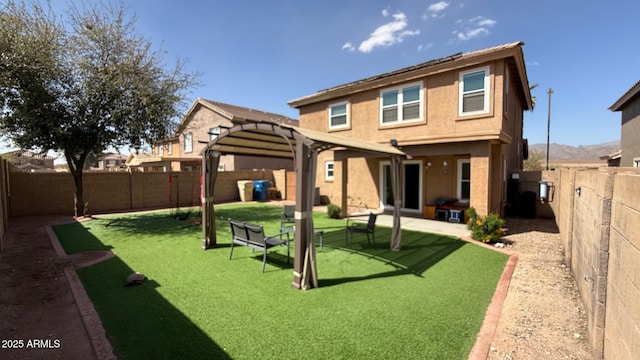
487	229
334	211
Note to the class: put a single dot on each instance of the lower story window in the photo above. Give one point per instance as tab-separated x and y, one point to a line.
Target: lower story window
464	180
328	170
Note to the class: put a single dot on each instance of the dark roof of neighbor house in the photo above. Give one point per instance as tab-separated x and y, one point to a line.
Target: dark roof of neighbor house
236	114
628	96
340	90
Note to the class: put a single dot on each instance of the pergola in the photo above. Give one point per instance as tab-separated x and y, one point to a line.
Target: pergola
268	139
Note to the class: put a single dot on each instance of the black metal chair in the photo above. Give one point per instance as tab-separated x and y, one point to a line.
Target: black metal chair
252	235
288	215
368	228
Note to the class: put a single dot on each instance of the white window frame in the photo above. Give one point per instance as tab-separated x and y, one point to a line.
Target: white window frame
214	132
459	180
347	113
329	170
188	142
169	149
400	104
160	150
461	93
636	162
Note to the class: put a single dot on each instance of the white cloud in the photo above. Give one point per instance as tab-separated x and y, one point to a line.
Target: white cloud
388	34
426	47
479	27
385	12
439	6
471	33
434	10
486	22
348	46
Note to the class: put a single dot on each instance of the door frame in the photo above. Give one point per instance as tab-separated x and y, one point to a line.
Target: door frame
404	193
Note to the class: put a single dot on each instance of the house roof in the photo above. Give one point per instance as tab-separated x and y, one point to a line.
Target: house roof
113	156
628	96
614	155
447	63
139	159
235	113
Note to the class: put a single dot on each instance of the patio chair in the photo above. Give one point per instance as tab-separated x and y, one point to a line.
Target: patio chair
252	235
288	215
368	228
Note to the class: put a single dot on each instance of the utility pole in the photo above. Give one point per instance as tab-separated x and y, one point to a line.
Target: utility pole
548	124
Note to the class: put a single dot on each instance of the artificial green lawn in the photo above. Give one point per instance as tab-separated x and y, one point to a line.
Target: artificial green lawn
426	301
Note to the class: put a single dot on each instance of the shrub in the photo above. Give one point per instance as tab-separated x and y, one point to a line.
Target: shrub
334	211
488	229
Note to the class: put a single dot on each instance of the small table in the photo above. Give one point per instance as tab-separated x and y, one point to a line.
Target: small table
292	229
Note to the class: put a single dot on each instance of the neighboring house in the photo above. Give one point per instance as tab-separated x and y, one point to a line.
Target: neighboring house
629	105
202	122
111	162
26	160
613	159
460	118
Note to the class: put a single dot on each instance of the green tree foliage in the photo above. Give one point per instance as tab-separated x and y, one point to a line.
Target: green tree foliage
534	162
83	83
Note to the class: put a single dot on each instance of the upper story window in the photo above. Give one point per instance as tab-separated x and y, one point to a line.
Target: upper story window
339	115
401	104
474	91
161	150
169	148
214	132
188	142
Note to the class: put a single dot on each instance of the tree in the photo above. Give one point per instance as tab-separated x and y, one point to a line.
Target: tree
534	162
82	84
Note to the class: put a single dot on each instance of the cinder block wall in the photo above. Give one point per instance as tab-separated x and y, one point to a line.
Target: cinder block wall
622	334
52	193
597	212
590	247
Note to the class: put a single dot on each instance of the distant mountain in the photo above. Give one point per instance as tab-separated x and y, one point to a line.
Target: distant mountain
582	152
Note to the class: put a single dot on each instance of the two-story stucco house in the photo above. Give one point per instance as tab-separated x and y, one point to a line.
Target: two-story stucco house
629	105
201	123
460	118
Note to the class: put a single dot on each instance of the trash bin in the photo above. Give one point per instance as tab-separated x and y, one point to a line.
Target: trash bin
528	205
261	190
245	187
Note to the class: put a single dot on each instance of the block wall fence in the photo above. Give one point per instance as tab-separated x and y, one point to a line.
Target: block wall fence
29	194
598	215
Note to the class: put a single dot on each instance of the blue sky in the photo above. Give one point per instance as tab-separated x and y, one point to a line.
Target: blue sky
262	54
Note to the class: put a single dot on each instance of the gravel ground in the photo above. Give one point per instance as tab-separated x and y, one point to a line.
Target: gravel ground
543	316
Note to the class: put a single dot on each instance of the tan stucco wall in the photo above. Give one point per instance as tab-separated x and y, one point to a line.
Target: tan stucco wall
440	135
629	141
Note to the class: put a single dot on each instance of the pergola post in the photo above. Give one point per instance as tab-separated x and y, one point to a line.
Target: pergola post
396	188
210	162
304	264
